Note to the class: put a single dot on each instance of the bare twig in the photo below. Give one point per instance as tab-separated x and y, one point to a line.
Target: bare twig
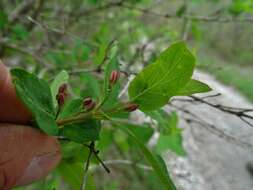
23	8
214	18
95	153
25	51
128	162
86	168
106	56
101	162
212	128
37	9
239	113
79	14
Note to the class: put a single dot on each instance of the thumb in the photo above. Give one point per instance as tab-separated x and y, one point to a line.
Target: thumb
12	110
27	155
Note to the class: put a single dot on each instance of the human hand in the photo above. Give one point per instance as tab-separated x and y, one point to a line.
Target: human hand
26	154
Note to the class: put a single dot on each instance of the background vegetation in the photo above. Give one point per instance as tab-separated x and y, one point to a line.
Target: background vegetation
45	37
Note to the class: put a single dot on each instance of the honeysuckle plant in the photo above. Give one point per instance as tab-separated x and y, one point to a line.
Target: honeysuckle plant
80	119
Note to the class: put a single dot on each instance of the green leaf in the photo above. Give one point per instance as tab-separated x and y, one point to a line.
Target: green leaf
93	2
74	152
239	6
170	135
181	10
37	91
71	108
70	149
121	139
152	159
46	122
92	86
193	87
71	173
19	32
112	65
143	132
36	95
100	54
112	95
173	142
105	140
158	82
82	132
166	122
81	51
162	165
3	20
160	116
60	79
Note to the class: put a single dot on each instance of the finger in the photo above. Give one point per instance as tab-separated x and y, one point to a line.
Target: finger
27	155
12	110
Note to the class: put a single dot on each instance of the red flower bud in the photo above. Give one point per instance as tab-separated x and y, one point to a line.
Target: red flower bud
130	107
87	101
114	77
88	104
62	94
60	97
63	88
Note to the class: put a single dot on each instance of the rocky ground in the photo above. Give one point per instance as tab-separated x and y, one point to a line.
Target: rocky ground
217	152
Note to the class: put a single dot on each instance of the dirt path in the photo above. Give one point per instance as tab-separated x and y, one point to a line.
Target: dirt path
215	161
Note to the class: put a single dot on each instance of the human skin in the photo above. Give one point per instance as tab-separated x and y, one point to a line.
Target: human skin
26	154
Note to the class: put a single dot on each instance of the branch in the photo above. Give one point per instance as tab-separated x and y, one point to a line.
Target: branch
187	16
128	162
212	128
24	7
24	51
81	13
86	168
239	112
105	58
36	12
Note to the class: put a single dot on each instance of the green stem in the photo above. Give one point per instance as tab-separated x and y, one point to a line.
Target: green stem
81	117
76	119
104	99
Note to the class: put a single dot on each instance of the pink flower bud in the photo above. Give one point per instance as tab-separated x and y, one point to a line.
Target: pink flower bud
130	107
115	75
88	104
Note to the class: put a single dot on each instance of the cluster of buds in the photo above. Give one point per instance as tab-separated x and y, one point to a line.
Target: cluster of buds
88	104
114	77
130	107
62	94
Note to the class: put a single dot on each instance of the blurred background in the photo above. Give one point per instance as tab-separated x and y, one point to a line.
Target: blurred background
46	37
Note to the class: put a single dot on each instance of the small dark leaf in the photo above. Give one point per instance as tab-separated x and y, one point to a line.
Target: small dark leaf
181	10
